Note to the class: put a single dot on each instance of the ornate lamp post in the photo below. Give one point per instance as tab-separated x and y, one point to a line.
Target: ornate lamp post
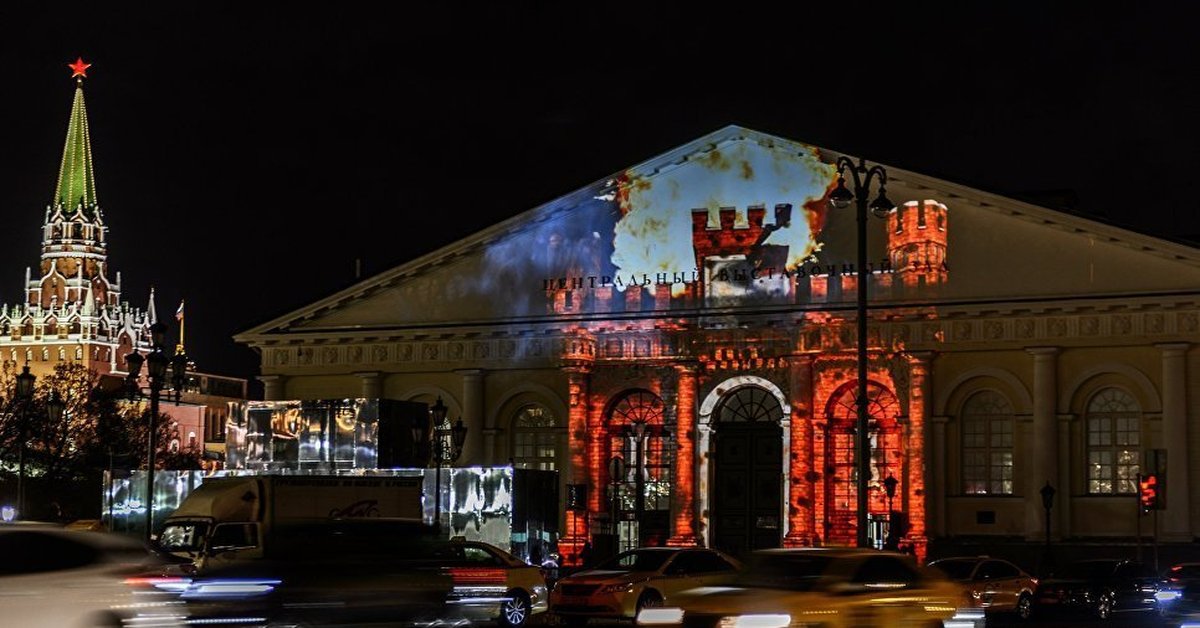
889	487
25	382
157	363
445	447
1047	503
841	197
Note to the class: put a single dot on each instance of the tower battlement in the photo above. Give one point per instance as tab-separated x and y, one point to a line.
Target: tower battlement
729	238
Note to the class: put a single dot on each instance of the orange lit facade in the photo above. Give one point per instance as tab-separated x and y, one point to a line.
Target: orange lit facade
689	324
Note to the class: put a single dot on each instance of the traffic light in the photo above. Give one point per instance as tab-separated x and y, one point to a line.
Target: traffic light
1148	489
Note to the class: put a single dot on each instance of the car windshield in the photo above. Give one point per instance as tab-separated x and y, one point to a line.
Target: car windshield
783	571
636	560
184	536
955	568
1090	569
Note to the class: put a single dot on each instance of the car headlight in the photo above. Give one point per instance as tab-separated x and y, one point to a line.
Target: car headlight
1167	595
756	621
661	616
624	587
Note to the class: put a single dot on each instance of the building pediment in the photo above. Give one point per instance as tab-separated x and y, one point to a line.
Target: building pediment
738	222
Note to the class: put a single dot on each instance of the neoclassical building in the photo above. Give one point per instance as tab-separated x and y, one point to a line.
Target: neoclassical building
694	317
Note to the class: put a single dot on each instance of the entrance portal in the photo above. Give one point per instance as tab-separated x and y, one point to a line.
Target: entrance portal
747	501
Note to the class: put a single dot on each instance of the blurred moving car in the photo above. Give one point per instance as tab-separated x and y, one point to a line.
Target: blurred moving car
360	572
1178	594
489	570
830	587
58	578
637	579
993	584
1099	587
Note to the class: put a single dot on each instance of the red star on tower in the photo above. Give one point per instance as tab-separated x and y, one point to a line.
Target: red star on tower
79	67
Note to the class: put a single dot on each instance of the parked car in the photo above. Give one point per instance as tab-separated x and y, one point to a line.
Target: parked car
993	584
1178	594
53	578
637	579
1098	587
830	587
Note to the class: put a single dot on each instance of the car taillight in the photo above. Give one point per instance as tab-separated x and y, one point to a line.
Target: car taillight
476	576
162	583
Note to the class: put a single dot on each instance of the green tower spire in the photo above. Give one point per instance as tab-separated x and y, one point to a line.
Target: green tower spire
76	183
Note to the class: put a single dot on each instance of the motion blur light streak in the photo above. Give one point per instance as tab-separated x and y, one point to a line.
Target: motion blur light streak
756	621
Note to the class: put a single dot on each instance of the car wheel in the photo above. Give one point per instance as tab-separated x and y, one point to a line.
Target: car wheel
649	599
1024	607
515	611
1104	606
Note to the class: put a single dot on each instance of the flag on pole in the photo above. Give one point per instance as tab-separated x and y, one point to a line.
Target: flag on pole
179	312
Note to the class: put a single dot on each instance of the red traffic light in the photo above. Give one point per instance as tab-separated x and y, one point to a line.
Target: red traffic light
1148	491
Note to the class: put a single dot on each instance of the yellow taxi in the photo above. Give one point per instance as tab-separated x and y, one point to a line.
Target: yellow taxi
638	579
827	587
487	578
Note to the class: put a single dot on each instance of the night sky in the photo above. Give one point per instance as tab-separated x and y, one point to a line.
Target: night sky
246	156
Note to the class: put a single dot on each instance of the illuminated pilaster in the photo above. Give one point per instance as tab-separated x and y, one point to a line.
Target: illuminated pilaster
915	446
800	514
683	508
576	533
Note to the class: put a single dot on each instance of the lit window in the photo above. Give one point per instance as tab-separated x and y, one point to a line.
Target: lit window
1113	443
987	445
535	439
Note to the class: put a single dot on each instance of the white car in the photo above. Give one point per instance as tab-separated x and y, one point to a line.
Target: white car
56	578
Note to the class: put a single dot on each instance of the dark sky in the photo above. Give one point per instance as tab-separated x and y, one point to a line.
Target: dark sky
246	155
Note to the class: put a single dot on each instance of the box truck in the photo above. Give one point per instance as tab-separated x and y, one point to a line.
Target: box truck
237	518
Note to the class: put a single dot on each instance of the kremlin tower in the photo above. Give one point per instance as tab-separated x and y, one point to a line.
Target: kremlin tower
72	310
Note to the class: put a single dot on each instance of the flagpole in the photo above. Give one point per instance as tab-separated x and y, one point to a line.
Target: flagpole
180	316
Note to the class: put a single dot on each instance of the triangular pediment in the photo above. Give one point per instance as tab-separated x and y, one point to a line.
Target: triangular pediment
739	221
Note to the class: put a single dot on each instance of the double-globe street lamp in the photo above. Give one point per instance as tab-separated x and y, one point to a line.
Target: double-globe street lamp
445	445
841	197
54	409
157	362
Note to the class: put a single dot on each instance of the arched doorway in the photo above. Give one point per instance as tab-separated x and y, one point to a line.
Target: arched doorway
640	436
747	505
841	471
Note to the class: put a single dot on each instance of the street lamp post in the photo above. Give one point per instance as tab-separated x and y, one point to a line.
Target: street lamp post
841	197
440	451
889	486
157	362
1047	503
25	382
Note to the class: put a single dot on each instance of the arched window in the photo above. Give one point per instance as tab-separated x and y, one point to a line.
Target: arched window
1113	442
987	444
535	439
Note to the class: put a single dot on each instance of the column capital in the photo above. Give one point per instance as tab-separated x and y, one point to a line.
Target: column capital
469	372
939	420
922	357
1042	351
1066	417
367	374
1173	348
690	367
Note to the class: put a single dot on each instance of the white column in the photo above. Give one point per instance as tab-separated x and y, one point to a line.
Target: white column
372	385
1044	462
273	387
1177	522
472	395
